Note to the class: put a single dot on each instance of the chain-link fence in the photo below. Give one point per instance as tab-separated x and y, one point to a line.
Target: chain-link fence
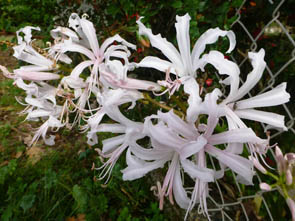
226	201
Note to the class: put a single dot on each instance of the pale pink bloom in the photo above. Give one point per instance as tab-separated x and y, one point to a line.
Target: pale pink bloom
183	62
265	186
281	162
113	147
175	140
108	100
291	205
285	164
104	59
51	122
245	108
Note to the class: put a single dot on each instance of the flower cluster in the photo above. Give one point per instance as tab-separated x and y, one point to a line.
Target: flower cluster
284	180
95	88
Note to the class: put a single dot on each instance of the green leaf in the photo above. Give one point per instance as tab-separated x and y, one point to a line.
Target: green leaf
80	197
176	4
27	201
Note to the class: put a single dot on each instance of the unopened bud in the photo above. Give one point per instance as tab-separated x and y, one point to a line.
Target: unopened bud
289	177
280	160
265	186
291	205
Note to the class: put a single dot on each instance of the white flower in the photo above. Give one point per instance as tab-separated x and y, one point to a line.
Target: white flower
113	73
182	62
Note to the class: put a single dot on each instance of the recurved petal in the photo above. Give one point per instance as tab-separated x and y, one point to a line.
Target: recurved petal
116	38
273	119
179	192
156	63
183	40
90	33
224	67
258	63
202	173
209	37
191	87
274	97
79	68
35	76
162	44
192	147
138	168
238	164
63	48
242	135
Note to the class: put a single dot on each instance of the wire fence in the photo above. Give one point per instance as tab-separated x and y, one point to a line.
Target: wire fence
239	206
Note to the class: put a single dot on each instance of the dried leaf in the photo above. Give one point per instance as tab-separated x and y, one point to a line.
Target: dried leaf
34	153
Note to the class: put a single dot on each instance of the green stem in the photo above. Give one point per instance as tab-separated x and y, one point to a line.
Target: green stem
272	175
163	106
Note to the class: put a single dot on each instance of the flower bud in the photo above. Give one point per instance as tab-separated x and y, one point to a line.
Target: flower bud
280	160
289	177
265	186
291	205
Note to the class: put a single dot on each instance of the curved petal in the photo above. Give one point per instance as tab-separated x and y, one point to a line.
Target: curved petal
242	135
209	37
90	33
258	63
177	124
193	147
156	63
138	168
79	68
116	38
202	173
191	87
224	67
75	48
238	164
183	40
163	45
111	143
273	119
178	191
148	154
274	97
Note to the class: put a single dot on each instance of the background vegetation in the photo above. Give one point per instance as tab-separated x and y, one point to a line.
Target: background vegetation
57	183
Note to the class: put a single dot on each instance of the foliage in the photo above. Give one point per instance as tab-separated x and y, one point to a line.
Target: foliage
15	14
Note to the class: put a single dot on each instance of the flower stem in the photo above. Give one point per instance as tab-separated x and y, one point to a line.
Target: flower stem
163	106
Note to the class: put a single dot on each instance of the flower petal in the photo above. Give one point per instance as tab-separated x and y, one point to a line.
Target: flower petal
138	168
111	143
116	38
191	87
183	40
192	147
178	191
163	45
274	97
210	37
224	67
242	135
258	63
156	63
202	173
238	164
273	119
